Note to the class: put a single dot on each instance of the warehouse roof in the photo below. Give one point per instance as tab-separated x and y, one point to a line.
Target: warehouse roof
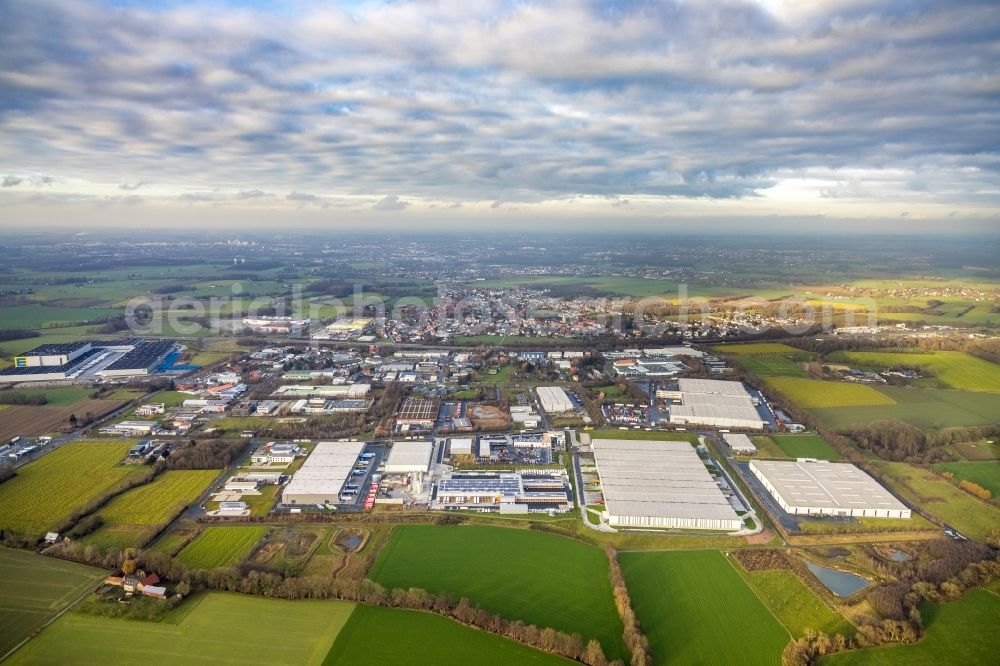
325	470
820	484
659	479
414	455
739	442
711	386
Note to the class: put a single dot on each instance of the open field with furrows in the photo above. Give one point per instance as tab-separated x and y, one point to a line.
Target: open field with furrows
56	397
220	546
46	492
960	632
539	578
806	446
696	609
33	588
956	369
212	628
29	420
795	605
149	507
756	349
921	407
812	393
986	473
940	498
411	637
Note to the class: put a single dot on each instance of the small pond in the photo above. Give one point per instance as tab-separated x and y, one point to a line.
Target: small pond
841	583
349	542
900	556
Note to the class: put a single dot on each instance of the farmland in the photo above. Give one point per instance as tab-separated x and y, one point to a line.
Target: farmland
547	580
921	407
772	366
940	498
811	393
149	506
38	316
31	420
795	605
411	637
34	588
756	349
985	473
957	633
806	446
45	492
955	369
696	609
220	546
216	629
56	397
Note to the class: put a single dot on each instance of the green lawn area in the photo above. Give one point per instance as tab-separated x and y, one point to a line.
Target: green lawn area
45	492
940	498
956	369
422	639
540	578
38	316
756	349
806	446
220	546
961	632
926	408
984	472
811	393
696	609
149	507
654	435
171	398
767	448
34	588
772	366
220	629
57	397
795	605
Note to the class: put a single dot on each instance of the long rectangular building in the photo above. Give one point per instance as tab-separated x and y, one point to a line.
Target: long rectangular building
821	488
323	474
660	484
554	400
715	403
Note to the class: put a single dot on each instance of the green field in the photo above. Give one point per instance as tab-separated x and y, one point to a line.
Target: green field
806	446
57	397
984	472
941	499
171	398
220	546
956	369
542	579
34	588
810	393
45	492
961	632
756	349
151	505
219	629
921	407
423	639
772	366
795	605
654	435
696	609
39	316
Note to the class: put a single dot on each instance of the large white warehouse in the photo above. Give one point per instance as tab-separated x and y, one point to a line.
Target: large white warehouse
820	488
660	484
323	474
554	400
715	403
409	458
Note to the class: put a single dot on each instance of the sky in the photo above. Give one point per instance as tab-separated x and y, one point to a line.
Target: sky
730	115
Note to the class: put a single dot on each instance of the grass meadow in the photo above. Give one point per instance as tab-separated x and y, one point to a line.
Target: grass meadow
956	369
539	578
806	446
813	393
984	472
220	546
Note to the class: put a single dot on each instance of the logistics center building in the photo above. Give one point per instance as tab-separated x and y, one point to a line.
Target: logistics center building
715	403
660	484
323	474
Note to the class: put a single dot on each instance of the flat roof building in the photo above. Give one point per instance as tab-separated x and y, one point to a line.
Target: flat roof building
409	458
740	443
504	492
715	403
554	400
820	488
660	484
323	474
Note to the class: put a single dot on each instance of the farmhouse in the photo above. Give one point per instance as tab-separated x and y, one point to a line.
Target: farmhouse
323	474
660	484
820	488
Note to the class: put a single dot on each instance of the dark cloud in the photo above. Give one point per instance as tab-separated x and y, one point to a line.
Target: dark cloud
11	181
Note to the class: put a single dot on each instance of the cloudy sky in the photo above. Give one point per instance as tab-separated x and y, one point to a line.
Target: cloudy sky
827	114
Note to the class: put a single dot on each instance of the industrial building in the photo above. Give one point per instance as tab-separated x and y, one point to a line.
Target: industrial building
409	458
810	487
554	400
504	492
323	474
417	413
332	391
715	403
740	443
460	446
660	484
91	360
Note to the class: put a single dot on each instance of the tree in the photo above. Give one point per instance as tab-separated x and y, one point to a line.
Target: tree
128	567
183	588
72	420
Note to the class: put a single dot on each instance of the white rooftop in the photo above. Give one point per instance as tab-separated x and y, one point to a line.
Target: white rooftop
409	457
325	470
818	484
720	387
